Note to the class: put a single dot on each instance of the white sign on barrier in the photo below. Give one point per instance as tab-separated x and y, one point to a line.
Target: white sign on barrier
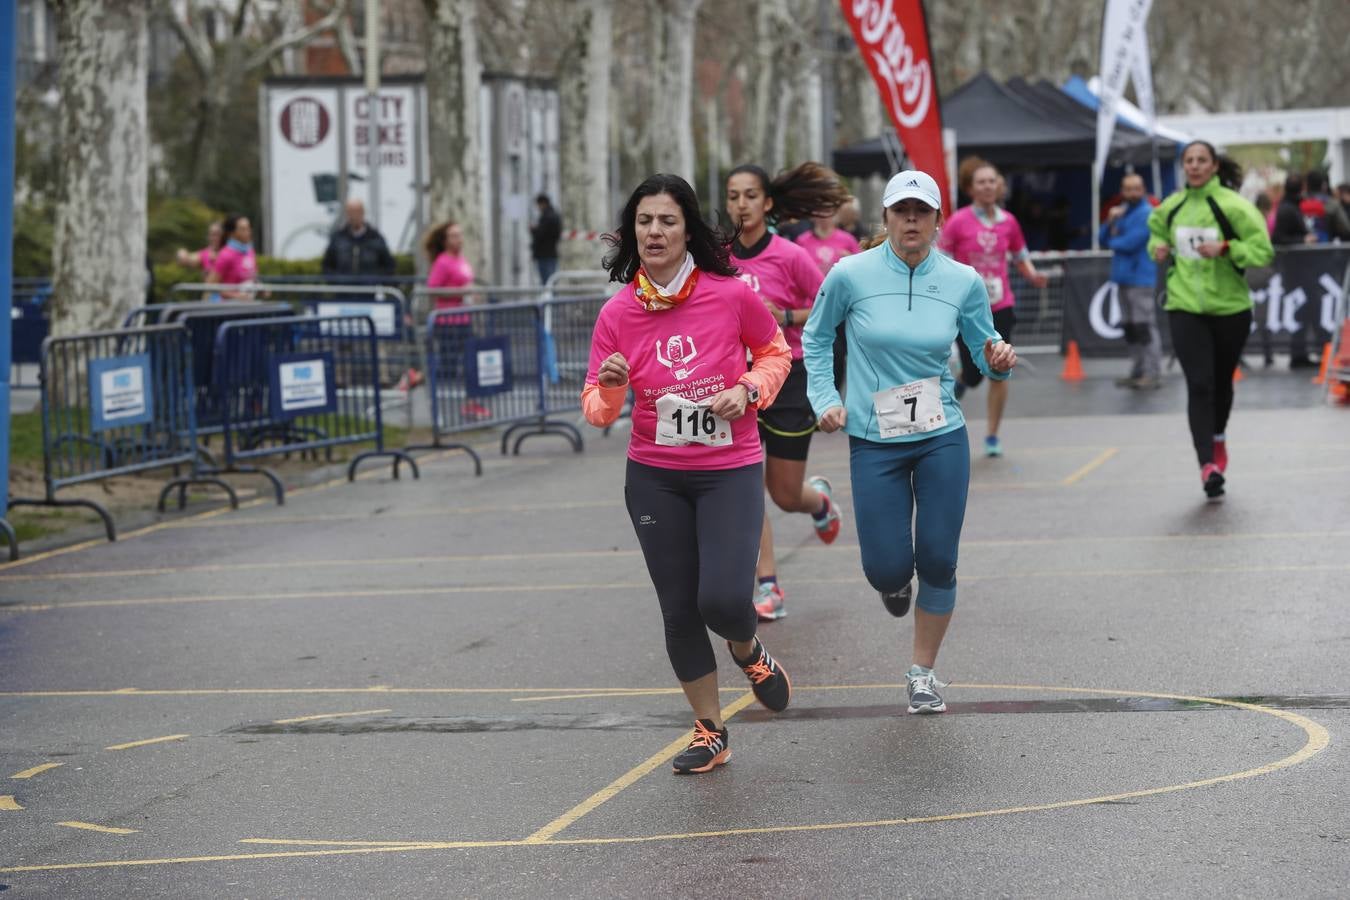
384	315
491	368
303	385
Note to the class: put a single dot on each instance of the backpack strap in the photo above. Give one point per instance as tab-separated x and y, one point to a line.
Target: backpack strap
1171	216
1225	228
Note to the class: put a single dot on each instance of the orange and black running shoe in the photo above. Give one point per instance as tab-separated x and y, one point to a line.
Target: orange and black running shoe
705	752
768	679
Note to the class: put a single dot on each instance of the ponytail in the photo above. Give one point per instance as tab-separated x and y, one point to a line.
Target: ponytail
1229	172
808	190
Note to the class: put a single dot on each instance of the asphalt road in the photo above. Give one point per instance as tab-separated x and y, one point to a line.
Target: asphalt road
458	686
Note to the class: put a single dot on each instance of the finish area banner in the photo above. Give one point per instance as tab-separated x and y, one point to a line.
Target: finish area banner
892	36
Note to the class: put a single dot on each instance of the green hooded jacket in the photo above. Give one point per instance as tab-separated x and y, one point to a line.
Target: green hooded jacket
1212	287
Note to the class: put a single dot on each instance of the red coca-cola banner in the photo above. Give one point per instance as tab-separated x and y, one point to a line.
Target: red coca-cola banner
892	36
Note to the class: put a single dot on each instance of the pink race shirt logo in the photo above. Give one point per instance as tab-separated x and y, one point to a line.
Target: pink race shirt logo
678	354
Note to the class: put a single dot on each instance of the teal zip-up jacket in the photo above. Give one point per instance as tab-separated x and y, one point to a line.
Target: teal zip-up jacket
900	324
1210	287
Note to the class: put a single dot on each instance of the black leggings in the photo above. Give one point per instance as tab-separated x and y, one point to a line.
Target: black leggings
699	532
1208	348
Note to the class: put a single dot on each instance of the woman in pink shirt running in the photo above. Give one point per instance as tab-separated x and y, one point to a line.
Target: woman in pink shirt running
786	278
984	237
236	263
827	242
204	258
678	334
444	245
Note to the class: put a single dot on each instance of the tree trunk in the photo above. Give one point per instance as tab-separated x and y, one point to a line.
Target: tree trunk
675	151
453	80
98	249
583	86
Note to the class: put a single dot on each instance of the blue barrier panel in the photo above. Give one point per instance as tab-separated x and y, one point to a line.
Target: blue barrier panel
485	367
299	383
117	403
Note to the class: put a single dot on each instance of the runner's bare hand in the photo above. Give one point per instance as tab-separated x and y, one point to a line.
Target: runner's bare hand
730	404
835	417
1001	356
613	371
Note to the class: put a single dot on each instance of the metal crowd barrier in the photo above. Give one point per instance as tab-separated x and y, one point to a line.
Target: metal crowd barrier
117	403
566	348
486	367
299	383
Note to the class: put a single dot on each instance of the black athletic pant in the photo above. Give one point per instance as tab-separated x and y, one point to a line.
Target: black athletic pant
699	533
1208	348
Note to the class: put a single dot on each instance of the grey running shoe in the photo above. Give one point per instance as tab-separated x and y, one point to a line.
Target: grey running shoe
923	695
897	602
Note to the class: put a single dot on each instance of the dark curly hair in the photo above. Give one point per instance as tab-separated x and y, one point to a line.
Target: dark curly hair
808	190
710	247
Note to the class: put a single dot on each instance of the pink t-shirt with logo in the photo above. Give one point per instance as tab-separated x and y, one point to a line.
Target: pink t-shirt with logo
785	275
828	250
450	271
234	267
985	248
694	350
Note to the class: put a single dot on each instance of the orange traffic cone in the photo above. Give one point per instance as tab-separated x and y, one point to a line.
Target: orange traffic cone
1073	364
1237	374
1321	377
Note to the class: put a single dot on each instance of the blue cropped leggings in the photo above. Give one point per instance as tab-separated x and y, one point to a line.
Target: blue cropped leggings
909	501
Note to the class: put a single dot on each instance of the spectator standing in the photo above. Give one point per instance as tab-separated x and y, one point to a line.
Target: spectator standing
1291	230
1125	233
1333	223
236	263
357	248
544	237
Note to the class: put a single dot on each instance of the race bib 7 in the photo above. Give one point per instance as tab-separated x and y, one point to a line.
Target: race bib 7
912	408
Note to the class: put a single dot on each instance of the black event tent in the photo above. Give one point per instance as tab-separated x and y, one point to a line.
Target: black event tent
1015	125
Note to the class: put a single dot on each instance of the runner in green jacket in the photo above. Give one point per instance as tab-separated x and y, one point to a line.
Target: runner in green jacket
1211	236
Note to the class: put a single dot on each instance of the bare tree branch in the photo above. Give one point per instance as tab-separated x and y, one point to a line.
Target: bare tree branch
285	41
195	42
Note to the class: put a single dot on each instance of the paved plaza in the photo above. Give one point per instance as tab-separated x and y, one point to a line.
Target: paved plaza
458	686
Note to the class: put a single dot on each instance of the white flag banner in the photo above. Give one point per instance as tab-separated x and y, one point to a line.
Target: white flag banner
1141	74
1122	26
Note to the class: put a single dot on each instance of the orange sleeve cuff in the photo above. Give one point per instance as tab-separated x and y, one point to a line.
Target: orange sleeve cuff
602	405
769	367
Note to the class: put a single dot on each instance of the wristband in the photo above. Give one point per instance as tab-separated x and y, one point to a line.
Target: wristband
1223	249
787	318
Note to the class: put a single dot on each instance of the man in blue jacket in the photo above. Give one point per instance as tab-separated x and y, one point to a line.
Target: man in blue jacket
1125	232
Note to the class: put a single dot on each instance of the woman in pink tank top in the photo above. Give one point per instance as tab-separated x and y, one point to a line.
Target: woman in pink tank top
786	278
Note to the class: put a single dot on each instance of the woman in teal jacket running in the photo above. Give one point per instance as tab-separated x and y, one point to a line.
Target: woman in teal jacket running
1211	236
902	304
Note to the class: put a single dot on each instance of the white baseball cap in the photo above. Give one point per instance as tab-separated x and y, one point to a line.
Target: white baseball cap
915	184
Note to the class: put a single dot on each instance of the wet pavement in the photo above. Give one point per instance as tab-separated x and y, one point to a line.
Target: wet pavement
458	686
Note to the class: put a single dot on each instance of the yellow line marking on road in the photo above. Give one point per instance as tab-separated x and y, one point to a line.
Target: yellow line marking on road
37	770
1086	470
363	712
147	742
9	804
1318	740
104	829
304	843
661	757
458	558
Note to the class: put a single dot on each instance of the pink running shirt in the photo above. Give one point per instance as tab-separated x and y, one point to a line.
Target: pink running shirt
694	350
985	248
828	251
450	272
785	275
234	267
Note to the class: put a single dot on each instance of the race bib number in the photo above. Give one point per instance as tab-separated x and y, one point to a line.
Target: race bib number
994	285
680	422
912	408
1190	237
